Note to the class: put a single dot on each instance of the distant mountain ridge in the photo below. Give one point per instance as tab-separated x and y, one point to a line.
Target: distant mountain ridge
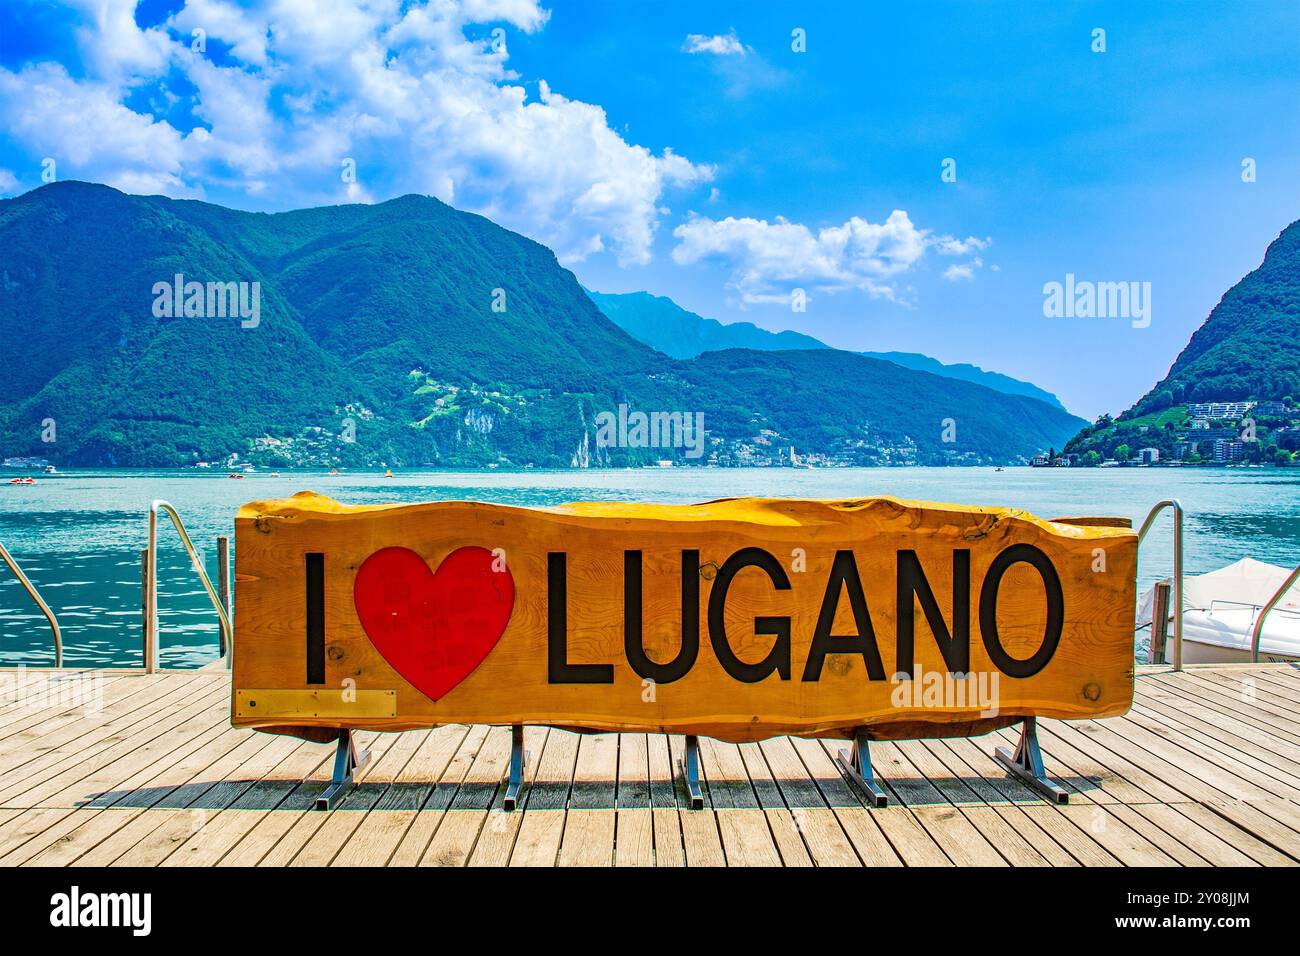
661	323
405	333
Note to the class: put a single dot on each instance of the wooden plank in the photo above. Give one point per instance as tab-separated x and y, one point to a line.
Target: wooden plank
36	699
1224	733
746	835
1076	840
823	837
1231	774
542	828
1234	835
590	823
461	822
781	823
157	833
861	826
457	745
703	845
670	848
187	790
150	786
497	838
73	747
1267	761
1055	838
1174	822
634	835
1014	846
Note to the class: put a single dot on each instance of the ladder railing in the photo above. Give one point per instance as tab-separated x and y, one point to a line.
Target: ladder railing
1177	507
1264	611
151	588
40	602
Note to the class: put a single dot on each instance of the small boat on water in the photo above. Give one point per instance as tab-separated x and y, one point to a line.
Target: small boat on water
1221	608
234	474
22	481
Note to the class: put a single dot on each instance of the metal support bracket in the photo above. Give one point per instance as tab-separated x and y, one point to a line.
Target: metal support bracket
346	760
518	761
1026	764
690	768
857	764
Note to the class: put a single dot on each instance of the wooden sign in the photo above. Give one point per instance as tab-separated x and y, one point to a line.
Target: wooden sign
738	619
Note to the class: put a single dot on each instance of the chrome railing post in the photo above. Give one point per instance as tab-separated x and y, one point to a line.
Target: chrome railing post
1177	507
40	602
151	594
1258	630
223	580
224	635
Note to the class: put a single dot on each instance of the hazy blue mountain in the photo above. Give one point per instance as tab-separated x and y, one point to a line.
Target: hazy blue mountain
661	323
968	373
406	333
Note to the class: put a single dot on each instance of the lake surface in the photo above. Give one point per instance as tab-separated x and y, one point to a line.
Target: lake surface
78	535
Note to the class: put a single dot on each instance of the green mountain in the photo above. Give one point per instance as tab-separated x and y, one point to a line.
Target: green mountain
401	333
1248	349
1249	346
663	324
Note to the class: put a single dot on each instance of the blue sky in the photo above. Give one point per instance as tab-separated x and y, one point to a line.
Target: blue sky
687	149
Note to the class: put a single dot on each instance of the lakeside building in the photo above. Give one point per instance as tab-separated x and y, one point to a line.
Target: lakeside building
1271	408
1226	450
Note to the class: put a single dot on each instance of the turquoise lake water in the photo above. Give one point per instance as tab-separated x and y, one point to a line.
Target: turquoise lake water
78	535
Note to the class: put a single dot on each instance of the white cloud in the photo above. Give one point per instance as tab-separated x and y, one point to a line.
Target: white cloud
725	44
768	259
737	65
81	124
418	94
951	246
958	272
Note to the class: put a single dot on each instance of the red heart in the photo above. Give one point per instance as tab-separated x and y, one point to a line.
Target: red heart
433	628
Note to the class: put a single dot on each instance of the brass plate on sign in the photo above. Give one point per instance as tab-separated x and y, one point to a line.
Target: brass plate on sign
278	702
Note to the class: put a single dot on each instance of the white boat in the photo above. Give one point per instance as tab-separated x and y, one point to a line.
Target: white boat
1221	608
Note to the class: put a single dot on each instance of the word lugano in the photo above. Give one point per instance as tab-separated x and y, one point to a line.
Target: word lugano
912	587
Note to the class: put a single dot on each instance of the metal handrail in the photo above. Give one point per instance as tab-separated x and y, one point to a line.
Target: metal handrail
151	588
1177	507
40	602
1272	602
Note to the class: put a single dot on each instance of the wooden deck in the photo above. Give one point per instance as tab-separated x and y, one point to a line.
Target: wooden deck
1205	770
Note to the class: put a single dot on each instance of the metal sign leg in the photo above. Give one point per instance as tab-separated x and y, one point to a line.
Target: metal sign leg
857	765
346	761
1026	764
691	772
518	760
